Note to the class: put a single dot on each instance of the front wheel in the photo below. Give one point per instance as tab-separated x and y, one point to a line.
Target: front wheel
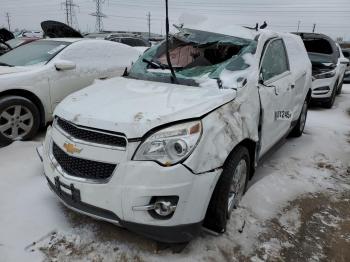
300	126
229	190
340	87
19	119
331	100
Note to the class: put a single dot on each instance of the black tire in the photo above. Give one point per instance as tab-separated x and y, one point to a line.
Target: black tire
25	104
330	102
217	212
298	129
340	87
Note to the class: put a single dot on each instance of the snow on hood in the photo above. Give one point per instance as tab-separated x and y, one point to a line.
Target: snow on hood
5	70
134	107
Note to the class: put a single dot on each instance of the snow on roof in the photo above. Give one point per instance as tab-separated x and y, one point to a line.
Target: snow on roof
216	25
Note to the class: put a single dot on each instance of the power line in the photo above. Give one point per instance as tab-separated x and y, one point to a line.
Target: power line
99	15
149	24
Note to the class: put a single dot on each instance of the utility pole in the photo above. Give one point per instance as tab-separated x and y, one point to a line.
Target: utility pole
313	29
149	25
70	13
99	15
298	25
8	20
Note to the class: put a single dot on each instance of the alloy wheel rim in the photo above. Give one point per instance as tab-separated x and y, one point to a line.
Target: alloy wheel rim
237	186
16	122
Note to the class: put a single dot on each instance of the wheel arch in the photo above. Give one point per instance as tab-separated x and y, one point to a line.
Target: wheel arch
31	96
251	145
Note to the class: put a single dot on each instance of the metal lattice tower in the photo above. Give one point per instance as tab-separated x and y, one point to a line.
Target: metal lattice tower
69	8
99	15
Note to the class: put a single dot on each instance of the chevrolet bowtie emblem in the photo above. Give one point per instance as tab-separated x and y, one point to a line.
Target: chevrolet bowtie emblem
71	149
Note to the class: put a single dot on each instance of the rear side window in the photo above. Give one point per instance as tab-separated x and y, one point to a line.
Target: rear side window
275	60
318	46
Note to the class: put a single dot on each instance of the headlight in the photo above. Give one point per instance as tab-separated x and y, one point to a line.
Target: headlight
170	145
328	74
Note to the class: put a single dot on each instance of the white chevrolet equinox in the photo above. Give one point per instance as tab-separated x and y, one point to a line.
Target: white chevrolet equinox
166	153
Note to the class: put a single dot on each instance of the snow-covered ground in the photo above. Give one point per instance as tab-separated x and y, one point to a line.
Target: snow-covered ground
297	207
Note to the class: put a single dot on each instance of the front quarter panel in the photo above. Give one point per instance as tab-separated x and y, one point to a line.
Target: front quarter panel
34	81
224	129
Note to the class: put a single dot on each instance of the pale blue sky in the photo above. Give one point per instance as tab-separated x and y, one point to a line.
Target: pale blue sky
331	16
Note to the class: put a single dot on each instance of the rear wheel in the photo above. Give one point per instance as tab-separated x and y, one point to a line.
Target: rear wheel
300	126
229	190
19	119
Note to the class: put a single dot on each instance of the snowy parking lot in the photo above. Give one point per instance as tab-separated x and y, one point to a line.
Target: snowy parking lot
297	207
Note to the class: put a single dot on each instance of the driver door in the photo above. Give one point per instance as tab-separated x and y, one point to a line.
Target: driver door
275	90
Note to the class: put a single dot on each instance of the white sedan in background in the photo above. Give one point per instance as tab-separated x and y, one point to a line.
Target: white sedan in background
35	77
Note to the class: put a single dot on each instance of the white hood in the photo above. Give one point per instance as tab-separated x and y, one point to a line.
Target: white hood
134	107
5	70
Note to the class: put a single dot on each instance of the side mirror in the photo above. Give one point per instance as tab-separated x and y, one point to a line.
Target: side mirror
64	65
344	60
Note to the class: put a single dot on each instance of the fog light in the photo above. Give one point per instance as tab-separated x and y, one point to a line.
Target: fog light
164	208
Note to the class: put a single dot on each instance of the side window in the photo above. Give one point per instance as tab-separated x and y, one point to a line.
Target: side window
128	41
275	60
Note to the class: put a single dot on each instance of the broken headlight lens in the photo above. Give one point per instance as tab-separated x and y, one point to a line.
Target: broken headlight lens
170	145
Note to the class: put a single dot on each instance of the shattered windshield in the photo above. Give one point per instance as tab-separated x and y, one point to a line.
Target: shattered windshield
194	54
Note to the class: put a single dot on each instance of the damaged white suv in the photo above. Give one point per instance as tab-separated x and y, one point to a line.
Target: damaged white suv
162	155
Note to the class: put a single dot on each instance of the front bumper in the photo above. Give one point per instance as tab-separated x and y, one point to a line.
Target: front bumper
170	234
134	183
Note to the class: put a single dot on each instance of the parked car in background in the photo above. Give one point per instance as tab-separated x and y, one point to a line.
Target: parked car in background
129	39
344	63
163	154
16	42
35	77
327	67
5	35
346	53
137	42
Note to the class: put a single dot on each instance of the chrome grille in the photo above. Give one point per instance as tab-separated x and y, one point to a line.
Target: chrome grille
82	168
91	135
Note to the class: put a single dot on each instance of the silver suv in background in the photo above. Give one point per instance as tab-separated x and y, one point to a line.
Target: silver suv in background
346	53
327	67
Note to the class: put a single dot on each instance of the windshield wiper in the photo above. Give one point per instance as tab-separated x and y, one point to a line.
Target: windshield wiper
153	64
4	64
